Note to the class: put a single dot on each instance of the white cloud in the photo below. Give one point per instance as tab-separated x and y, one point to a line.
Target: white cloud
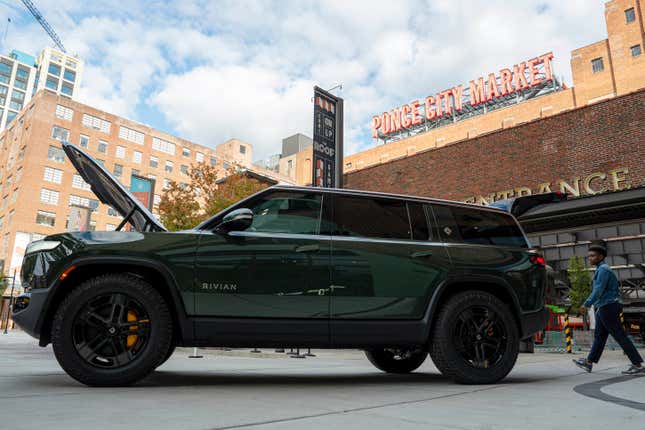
245	69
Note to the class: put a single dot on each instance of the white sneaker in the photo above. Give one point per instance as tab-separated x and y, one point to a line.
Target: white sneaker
633	370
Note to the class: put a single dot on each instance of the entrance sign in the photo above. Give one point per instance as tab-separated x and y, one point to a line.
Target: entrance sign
327	166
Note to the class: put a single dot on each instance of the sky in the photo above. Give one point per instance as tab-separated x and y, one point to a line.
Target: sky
208	71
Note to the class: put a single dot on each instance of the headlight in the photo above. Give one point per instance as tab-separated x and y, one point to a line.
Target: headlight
41	245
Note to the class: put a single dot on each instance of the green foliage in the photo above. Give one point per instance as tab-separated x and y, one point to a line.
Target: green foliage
580	279
183	206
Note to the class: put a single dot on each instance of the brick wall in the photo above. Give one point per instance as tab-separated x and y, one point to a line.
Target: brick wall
585	146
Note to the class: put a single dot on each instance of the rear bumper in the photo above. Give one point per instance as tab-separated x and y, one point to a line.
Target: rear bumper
533	322
29	318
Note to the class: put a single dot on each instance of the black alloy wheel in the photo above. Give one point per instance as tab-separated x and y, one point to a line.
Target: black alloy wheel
475	338
111	330
479	337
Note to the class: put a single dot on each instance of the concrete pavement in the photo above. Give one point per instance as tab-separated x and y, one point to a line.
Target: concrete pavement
337	389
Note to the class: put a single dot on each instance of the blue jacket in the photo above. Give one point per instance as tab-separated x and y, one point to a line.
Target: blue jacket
604	287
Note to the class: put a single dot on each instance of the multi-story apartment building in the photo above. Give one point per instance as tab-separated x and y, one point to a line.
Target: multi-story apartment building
38	184
22	75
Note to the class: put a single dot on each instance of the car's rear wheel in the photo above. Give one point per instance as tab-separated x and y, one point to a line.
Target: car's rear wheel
112	330
475	339
169	354
394	360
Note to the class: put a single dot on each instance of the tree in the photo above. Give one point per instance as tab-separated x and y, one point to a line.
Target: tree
183	206
580	280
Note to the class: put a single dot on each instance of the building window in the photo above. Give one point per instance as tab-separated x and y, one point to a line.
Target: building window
69	75
151	176
84	141
597	65
213	161
96	123
169	166
118	170
112	212
56	154
154	161
54	69
635	50
5	199
630	15
289	164
120	152
49	197
53	175
67	89
199	157
110	227
163	146
156	200
46	218
102	147
10	116
64	112
227	165
242	149
184	169
79	182
79	201
166	183
136	157
185	152
136	172
51	83
131	135
14	196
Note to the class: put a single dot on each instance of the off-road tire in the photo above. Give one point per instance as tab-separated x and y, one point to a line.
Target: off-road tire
155	350
385	360
169	354
444	354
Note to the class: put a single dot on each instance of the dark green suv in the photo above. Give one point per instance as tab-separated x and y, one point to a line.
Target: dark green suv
397	276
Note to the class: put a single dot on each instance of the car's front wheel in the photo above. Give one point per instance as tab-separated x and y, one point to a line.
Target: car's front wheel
393	360
475	338
111	330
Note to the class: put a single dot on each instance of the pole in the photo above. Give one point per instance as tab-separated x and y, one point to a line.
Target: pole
568	332
6	320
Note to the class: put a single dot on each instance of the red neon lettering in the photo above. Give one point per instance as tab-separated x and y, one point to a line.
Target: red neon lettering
387	129
376	124
493	92
414	106
446	97
520	78
406	122
477	94
533	71
506	77
457	92
546	59
395	120
430	109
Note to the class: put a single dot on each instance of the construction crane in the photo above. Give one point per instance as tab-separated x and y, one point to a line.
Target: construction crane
43	22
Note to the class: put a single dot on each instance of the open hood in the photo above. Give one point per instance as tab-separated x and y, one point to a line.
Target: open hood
111	192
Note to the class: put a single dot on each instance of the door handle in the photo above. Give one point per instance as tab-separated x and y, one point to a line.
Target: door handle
421	254
307	248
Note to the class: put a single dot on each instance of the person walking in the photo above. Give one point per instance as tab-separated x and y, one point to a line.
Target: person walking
605	298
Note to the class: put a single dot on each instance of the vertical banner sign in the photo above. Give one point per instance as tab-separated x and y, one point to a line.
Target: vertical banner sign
143	189
328	140
79	218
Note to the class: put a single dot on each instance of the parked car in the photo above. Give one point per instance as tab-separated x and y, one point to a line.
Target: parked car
400	277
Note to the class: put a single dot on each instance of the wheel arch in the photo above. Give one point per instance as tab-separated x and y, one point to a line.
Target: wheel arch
154	272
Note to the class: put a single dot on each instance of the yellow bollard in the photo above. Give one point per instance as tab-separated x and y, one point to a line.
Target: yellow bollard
568	332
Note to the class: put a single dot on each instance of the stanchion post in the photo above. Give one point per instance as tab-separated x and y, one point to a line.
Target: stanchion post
568	333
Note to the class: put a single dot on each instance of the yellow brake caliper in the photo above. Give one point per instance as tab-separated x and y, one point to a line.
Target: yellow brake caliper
132	339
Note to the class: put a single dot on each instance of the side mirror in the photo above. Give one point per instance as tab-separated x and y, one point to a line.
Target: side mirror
237	220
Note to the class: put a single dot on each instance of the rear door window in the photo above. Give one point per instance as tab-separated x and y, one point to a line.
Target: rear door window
418	221
460	224
370	217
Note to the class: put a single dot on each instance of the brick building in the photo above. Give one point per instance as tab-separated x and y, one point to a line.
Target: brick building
38	185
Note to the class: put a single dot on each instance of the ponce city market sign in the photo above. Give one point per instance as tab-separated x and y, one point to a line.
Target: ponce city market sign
523	76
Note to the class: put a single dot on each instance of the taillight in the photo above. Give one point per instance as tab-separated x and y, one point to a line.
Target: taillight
538	260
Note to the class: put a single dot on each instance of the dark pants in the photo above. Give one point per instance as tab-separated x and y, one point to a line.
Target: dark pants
608	322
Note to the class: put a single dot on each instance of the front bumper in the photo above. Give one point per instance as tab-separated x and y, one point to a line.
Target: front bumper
533	322
29	319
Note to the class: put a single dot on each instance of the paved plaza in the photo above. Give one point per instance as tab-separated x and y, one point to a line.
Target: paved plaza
335	390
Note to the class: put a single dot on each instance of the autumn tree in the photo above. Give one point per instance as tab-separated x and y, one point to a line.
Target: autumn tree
183	206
